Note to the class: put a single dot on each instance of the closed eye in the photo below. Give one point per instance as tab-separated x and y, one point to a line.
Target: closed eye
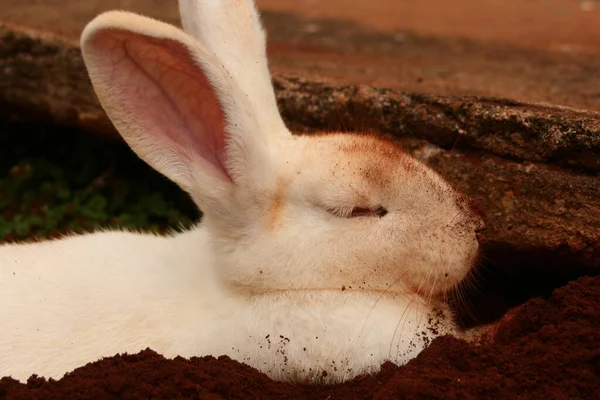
368	212
357	212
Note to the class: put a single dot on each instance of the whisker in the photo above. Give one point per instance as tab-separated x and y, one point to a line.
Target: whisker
455	143
463	301
452	220
379	298
432	289
350	186
341	119
419	291
398	325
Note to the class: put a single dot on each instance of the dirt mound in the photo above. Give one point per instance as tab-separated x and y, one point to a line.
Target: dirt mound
548	348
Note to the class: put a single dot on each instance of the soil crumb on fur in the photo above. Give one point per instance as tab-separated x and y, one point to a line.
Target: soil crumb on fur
549	349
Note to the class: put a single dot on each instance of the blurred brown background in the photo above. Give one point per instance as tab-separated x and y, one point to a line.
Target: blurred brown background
534	50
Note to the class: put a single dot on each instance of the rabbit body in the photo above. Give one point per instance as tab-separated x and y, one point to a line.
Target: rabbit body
123	292
323	253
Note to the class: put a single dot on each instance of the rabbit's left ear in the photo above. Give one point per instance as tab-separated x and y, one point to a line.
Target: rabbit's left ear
176	104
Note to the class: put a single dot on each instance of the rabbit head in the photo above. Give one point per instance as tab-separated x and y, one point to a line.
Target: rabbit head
318	212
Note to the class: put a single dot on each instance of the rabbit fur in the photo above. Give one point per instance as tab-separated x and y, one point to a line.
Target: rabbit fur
317	253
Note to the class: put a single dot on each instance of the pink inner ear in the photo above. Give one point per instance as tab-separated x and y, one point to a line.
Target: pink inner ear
165	92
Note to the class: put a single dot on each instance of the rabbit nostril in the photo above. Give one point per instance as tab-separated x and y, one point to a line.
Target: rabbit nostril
479	225
476	212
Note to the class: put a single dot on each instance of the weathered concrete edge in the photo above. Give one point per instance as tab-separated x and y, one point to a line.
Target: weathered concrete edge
532	132
43	77
523	213
32	61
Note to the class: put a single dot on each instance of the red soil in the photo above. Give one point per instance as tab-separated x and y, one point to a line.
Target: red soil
547	349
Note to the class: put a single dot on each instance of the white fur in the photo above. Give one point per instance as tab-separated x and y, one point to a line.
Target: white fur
278	274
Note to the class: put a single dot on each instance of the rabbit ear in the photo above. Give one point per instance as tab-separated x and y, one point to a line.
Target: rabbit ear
175	104
231	30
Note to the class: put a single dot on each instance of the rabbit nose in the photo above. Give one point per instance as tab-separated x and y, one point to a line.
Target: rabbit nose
479	225
476	211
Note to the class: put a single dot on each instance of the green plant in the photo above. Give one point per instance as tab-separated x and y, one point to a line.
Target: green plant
54	179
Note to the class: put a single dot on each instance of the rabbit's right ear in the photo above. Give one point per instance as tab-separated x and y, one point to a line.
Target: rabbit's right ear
232	30
175	104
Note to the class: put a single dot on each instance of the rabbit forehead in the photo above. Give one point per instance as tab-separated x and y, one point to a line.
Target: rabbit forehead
363	168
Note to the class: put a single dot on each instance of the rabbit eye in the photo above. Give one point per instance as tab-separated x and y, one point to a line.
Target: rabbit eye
368	212
357	212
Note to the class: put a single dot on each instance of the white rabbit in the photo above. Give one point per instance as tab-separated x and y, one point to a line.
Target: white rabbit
318	258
